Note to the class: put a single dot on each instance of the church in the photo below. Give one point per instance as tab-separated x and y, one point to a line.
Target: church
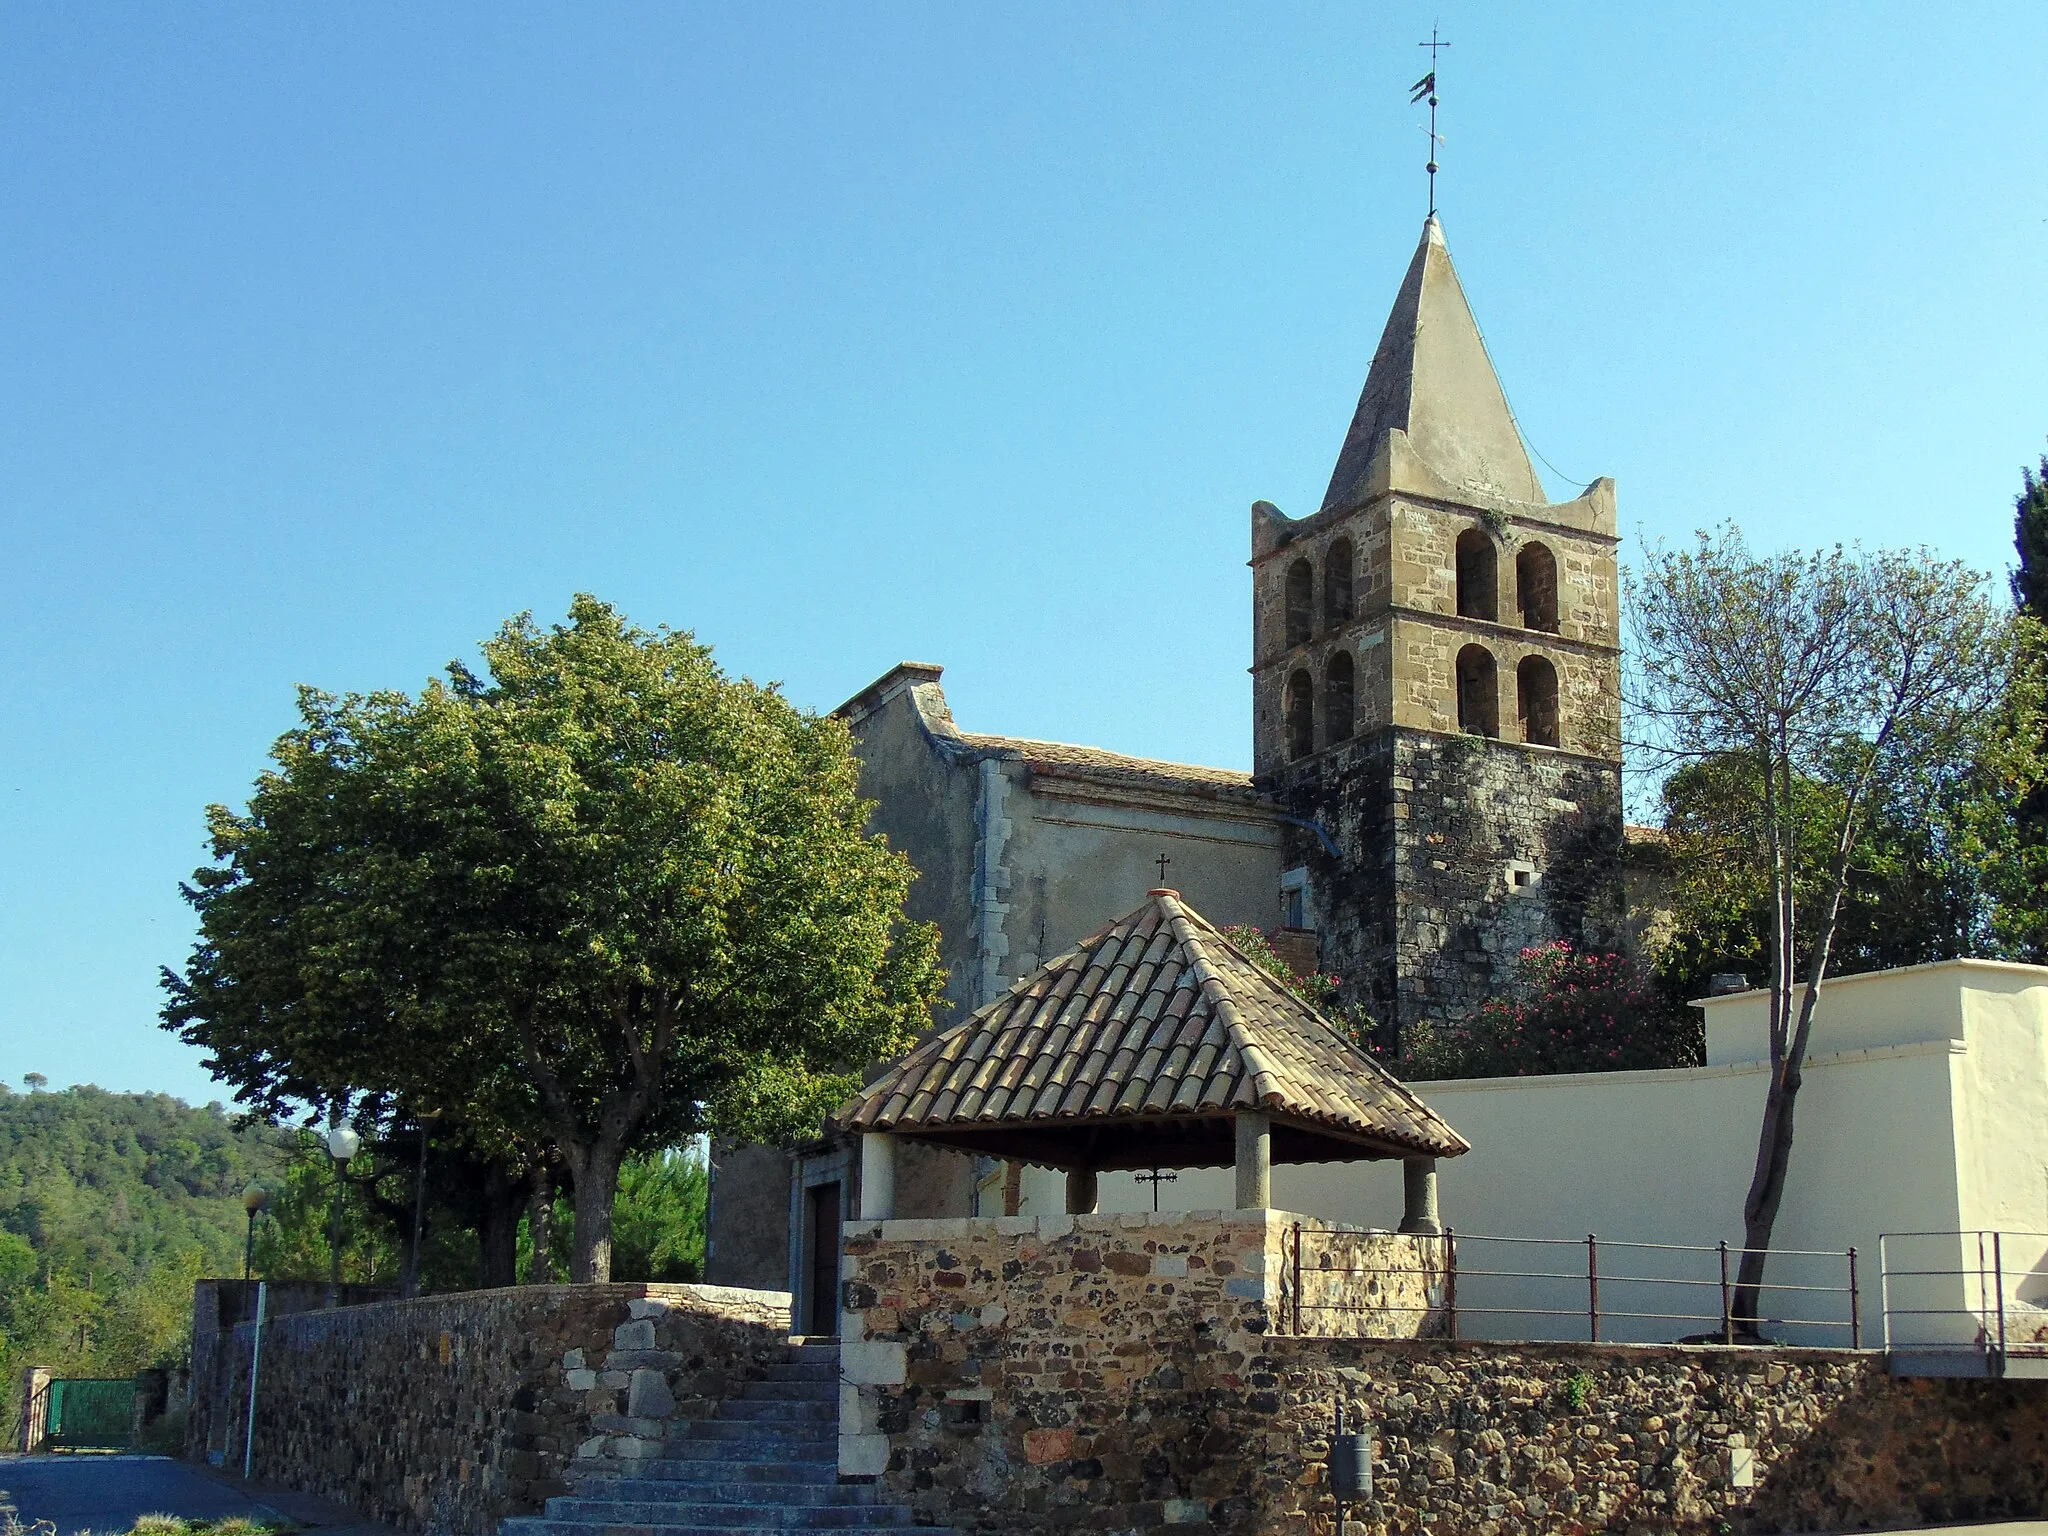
1436	780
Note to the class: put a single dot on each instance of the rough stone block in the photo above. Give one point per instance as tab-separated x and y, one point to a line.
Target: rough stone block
1171	1266
647	1307
580	1381
863	1455
643	1360
633	1448
649	1396
872	1362
857	1409
637	1334
573	1360
1045	1446
1185	1511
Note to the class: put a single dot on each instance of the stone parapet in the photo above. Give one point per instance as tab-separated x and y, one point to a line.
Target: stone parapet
1022	1329
449	1413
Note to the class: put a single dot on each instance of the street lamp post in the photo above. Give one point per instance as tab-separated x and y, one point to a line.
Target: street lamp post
342	1144
254	1198
411	1287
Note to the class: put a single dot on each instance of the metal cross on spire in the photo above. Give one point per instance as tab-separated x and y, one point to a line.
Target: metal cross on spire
1162	861
1426	88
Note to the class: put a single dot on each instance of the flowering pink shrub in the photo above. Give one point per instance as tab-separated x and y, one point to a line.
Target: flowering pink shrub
1571	1010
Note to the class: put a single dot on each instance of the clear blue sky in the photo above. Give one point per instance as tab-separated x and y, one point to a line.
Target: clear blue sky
843	333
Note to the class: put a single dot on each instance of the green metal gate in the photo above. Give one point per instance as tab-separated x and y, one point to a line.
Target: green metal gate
90	1411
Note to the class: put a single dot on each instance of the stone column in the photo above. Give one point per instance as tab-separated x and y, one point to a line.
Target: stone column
1418	1190
877	1176
35	1409
1080	1191
1254	1160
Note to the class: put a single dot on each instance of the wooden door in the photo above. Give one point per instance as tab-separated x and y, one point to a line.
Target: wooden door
824	1274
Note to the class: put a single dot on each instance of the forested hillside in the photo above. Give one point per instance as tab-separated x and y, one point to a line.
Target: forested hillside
111	1204
109	1185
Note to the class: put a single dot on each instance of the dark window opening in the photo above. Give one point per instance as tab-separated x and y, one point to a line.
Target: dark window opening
1301	602
1536	701
1478	692
1337	584
1536	587
1301	716
1337	694
1478	582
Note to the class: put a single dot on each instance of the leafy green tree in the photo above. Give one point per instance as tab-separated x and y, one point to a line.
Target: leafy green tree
603	897
1914	892
2013	848
2030	540
1861	673
658	1226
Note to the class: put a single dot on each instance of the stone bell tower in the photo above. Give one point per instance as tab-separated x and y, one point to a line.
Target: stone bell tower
1435	687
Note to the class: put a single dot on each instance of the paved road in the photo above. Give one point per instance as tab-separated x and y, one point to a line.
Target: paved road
105	1494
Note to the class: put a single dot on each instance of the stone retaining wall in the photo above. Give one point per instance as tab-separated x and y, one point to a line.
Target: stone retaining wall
448	1413
1036	1319
1128	1373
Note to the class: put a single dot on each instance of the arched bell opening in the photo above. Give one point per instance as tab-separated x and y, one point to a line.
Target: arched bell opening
1536	701
1301	602
1301	715
1478	576
1478	692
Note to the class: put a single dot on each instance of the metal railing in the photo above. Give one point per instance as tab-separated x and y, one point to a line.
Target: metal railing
1613	1295
1958	1292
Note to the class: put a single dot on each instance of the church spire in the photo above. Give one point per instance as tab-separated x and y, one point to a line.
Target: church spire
1431	378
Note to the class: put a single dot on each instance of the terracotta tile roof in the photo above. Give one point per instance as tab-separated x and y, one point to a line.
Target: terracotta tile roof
1155	1020
1110	767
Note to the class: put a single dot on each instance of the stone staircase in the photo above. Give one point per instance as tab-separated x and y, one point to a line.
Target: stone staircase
767	1461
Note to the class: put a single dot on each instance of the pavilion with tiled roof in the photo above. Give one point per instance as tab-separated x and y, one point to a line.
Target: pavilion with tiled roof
1156	1042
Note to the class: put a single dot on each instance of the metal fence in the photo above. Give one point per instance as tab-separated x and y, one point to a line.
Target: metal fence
1977	1295
1592	1288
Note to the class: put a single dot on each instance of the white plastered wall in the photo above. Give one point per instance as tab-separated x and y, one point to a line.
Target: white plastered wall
1924	1108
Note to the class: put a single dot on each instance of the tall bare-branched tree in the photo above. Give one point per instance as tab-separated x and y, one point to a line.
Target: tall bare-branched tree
1850	669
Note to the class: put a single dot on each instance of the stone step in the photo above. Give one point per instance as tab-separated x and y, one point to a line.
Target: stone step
540	1525
612	1507
805	1370
780	1410
686	1479
798	1434
817	1389
679	1519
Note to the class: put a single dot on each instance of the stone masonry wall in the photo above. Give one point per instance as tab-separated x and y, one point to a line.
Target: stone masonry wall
1011	1376
448	1413
1019	1334
1423	916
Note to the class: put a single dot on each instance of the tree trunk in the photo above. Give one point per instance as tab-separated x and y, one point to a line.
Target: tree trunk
540	1227
1766	1194
594	1168
498	1231
1788	1065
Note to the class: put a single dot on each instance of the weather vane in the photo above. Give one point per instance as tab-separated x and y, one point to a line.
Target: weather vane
1426	88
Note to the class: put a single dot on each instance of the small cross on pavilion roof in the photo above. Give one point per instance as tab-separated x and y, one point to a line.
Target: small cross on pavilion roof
1137	1049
